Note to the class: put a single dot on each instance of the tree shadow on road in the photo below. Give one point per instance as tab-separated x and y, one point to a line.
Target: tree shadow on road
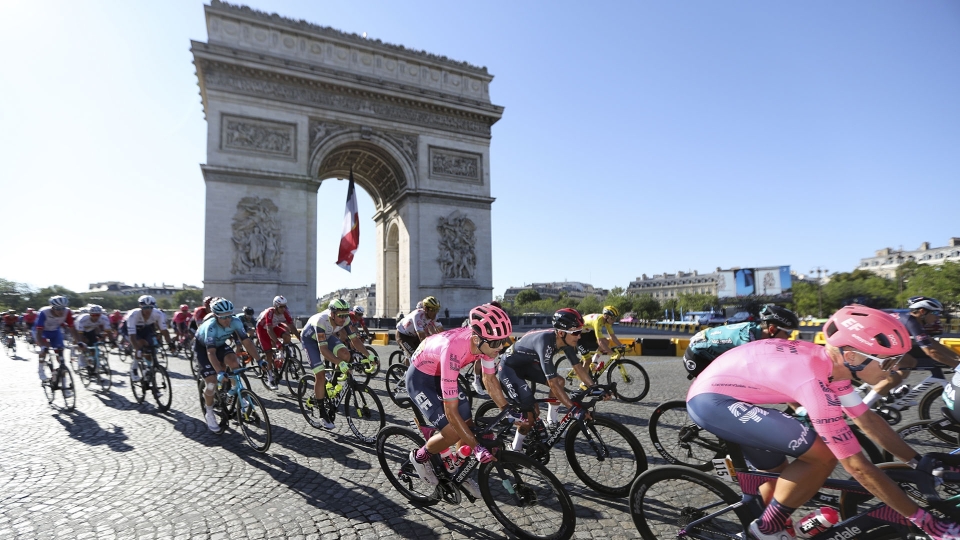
81	427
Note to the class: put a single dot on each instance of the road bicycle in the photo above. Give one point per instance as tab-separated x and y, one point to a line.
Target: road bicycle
521	493
602	452
235	400
632	380
153	379
361	406
287	367
58	378
925	396
679	502
97	370
396	385
10	344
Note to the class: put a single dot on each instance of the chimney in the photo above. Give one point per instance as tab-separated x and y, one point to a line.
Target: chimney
954	242
924	246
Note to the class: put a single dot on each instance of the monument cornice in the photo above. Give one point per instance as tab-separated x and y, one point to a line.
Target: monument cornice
257	82
238	175
441	197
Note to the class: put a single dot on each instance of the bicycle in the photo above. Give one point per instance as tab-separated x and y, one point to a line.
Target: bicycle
234	399
602	452
98	368
521	493
396	385
59	379
632	380
678	502
928	392
10	344
287	365
361	406
153	378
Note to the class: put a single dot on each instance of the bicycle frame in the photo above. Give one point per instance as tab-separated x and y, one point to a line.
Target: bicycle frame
936	378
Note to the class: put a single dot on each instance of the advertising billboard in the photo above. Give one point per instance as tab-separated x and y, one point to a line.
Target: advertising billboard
765	281
726	284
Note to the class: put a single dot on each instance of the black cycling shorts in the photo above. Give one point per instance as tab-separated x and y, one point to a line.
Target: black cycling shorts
206	368
513	380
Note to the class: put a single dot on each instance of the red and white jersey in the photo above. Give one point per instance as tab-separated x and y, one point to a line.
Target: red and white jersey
47	322
269	318
417	321
182	317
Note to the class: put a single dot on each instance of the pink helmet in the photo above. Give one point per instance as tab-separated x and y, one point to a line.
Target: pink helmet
867	330
490	322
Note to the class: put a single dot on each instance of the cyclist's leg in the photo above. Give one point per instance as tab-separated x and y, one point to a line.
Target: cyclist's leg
316	366
894	379
516	389
425	392
266	343
409	345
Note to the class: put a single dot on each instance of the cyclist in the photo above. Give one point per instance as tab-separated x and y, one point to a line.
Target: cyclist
419	324
924	311
432	384
213	352
706	345
356	318
29	319
202	311
115	319
862	344
90	327
142	326
592	343
323	338
10	321
48	328
249	321
531	359
273	326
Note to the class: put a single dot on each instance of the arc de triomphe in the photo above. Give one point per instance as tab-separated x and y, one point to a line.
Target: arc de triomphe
289	104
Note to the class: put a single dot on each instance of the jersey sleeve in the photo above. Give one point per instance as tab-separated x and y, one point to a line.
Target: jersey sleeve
449	370
68	321
420	322
824	409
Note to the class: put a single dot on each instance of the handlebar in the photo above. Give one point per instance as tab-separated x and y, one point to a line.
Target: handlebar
596	392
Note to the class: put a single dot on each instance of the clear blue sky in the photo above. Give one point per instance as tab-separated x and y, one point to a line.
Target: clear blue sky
638	137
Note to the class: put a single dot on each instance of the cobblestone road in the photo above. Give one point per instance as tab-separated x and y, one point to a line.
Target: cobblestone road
116	469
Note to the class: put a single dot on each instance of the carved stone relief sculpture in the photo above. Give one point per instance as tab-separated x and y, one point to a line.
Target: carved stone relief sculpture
261	136
458	257
256	237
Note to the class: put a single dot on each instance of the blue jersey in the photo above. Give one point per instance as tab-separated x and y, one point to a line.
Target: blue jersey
212	335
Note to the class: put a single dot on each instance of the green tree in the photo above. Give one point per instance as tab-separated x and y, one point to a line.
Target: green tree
697	302
940	281
859	286
527	296
804	298
43	294
18	296
191	297
647	307
589	305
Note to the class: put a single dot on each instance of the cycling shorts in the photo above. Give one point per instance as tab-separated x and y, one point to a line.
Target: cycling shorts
408	343
89	337
206	368
766	435
10	328
425	392
55	337
313	351
588	343
147	333
264	336
513	380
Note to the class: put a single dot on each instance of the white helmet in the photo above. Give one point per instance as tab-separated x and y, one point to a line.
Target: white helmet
147	301
279	301
94	309
924	302
358	310
59	301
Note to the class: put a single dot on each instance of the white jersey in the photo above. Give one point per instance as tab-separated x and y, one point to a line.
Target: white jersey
135	319
416	321
85	323
322	323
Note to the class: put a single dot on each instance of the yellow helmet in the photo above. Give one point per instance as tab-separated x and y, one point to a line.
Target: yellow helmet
431	303
612	311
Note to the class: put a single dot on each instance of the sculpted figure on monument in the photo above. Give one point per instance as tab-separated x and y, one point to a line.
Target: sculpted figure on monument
256	237
458	258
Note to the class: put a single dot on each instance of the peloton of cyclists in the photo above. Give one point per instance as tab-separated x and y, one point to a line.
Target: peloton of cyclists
90	328
274	326
862	344
48	331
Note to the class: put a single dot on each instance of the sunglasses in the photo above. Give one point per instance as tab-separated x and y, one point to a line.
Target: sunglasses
934	313
572	332
225	316
341	315
493	343
886	364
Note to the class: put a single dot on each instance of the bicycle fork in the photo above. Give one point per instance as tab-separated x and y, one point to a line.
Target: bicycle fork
601	449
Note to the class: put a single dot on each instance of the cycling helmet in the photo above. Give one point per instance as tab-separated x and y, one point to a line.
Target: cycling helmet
924	302
612	311
184	308
29	310
147	301
431	303
339	305
567	319
59	301
867	330
94	309
279	301
490	322
116	312
778	316
222	307
247	310
358	310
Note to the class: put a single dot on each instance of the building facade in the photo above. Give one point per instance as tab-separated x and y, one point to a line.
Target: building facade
887	260
666	286
116	287
365	297
552	291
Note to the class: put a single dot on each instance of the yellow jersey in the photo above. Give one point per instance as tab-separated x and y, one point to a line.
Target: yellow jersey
595	322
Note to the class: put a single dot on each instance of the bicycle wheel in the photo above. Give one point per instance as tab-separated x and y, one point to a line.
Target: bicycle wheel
466	391
160	357
632	380
307	401
104	376
201	384
680	440
85	377
293	371
396	357
931	436
396	384
931	403
364	414
254	422
565	369
394	444
667	499
486	413
375	365
161	388
139	388
67	389
526	498
49	390
609	463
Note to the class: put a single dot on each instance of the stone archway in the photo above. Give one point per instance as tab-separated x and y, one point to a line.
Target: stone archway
290	104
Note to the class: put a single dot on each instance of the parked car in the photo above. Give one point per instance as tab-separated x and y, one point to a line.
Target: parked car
934	329
741	316
712	319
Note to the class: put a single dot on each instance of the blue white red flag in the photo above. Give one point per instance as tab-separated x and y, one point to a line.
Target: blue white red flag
351	229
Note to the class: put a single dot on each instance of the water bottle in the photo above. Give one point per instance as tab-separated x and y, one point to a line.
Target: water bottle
446	456
461	455
816	522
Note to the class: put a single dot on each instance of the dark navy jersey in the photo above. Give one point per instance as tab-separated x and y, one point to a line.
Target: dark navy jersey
538	346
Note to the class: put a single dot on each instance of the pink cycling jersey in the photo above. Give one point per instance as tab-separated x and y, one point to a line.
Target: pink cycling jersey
445	355
776	371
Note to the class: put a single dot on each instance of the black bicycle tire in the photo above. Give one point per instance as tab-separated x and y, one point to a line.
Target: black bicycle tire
926	404
66	383
304	388
562	369
363	393
85	379
48	388
104	375
585	476
395	374
387	467
642	484
395	356
661	439
568	518
265	419
486	411
619	392
377	356
155	389
914	433
137	386
293	368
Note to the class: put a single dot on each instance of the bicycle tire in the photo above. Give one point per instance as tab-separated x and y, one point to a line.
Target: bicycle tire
396	384
925	436
85	377
395	357
364	414
48	387
376	362
254	421
394	444
486	413
632	380
68	391
161	388
195	367
160	356
677	496
293	371
623	458
527	499
931	403
139	388
564	369
680	440
310	409
104	376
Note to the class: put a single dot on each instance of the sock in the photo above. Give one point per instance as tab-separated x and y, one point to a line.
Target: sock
871	398
422	456
209	408
774	517
552	413
518	441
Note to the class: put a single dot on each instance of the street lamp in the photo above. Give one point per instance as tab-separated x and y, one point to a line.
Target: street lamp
819	272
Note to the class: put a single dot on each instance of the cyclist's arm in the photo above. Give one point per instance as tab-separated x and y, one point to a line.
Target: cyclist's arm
492	384
876	482
941	353
291	324
250	348
450	393
880	432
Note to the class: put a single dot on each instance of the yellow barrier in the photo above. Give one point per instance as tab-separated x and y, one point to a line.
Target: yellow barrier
381	338
951	343
795	335
681	344
819	339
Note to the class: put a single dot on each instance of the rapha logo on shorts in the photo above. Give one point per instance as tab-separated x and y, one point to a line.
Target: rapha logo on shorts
423	401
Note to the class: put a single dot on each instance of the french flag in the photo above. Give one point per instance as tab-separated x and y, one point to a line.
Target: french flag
351	229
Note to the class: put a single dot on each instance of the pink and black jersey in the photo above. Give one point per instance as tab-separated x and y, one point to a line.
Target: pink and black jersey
445	354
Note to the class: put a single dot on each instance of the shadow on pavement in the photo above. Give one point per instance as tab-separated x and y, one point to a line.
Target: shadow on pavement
86	430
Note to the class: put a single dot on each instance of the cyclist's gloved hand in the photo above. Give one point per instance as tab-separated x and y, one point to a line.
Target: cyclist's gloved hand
514	416
220	377
483	455
937	528
344	367
371	358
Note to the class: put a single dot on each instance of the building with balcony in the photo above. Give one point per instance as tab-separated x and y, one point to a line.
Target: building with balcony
666	286
365	297
571	289
887	260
